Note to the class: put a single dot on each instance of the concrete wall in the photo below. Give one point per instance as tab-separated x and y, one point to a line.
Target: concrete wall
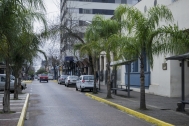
160	79
180	12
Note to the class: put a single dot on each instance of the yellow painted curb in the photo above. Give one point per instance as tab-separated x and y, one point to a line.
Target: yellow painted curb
23	113
27	81
130	111
55	80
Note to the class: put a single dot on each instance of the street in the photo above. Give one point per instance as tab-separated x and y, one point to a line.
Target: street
51	104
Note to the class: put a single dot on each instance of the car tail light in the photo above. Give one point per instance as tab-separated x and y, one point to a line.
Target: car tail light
83	81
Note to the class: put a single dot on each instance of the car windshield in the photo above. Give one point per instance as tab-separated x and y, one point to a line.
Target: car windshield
12	77
74	78
88	77
3	78
64	76
43	74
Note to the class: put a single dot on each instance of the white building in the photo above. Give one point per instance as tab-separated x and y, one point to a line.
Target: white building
77	14
158	81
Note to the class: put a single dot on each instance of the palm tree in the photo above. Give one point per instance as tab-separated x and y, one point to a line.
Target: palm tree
90	49
16	17
25	50
100	36
144	37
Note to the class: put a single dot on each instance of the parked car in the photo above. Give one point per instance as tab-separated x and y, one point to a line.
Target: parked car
50	76
71	80
2	83
38	76
44	77
61	79
85	82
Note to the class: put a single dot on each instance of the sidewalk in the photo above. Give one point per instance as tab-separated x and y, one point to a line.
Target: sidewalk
159	107
18	109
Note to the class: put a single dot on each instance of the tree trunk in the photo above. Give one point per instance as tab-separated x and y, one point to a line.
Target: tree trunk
94	72
142	86
19	88
6	98
15	88
55	72
109	82
91	64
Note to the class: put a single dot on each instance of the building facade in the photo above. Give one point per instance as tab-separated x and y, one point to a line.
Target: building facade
75	16
161	81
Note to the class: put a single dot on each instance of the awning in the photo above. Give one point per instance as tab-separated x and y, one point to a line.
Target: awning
121	62
125	62
178	57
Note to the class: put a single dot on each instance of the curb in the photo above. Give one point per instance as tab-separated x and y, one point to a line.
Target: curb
131	112
23	113
28	81
54	80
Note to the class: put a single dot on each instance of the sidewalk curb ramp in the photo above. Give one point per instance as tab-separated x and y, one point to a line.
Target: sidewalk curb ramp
130	111
23	113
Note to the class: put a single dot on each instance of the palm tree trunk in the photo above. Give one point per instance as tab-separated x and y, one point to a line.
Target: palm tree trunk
19	90
94	72
142	86
6	98
109	82
15	88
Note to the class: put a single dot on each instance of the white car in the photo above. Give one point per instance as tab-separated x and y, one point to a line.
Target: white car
71	80
50	76
2	83
85	82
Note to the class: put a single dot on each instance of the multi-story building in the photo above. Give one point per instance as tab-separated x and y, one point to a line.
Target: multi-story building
75	16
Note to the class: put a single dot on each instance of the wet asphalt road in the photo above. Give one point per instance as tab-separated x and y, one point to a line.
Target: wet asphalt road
51	104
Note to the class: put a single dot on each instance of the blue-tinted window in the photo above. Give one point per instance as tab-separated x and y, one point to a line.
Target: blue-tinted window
135	66
96	11
101	11
104	1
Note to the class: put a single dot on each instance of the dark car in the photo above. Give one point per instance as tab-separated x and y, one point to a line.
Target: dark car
61	79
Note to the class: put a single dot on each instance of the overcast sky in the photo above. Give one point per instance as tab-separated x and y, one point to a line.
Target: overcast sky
52	12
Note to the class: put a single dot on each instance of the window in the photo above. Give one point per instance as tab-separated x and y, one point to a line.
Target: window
155	2
135	66
82	23
102	11
102	62
73	10
87	11
88	78
87	0
2	79
132	2
174	0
